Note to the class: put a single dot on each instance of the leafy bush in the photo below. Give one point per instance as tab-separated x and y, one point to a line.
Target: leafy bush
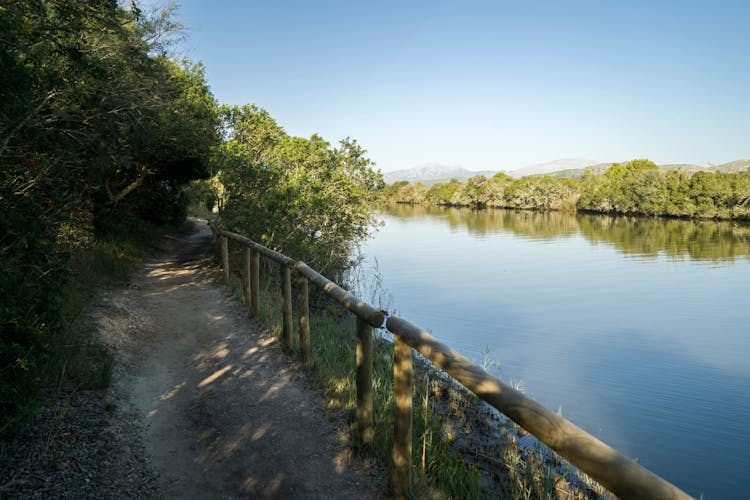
300	196
441	193
99	131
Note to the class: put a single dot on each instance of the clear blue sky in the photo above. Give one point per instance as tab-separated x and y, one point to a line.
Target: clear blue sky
489	85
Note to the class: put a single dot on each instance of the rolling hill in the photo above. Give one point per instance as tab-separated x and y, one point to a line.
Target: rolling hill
553	166
431	173
569	168
732	166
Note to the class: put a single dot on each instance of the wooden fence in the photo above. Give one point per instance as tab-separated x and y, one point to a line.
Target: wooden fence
617	473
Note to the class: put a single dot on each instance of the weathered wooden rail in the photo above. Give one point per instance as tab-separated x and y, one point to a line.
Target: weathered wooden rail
617	473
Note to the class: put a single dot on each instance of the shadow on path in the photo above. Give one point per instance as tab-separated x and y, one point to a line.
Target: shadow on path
227	414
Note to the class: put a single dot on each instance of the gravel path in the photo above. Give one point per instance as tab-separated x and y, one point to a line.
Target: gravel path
203	404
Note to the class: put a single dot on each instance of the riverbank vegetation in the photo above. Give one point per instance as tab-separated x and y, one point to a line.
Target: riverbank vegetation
99	131
637	187
300	196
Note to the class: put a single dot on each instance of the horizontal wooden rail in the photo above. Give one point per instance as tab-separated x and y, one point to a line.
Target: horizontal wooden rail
361	309
271	254
617	473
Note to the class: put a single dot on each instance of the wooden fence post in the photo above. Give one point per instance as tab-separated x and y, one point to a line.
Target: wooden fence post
246	277
303	309
286	306
254	281
365	415
402	396
225	257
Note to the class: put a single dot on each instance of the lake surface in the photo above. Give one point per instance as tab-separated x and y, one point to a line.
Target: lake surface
638	329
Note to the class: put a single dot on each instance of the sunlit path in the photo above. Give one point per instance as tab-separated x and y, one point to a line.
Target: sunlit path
227	416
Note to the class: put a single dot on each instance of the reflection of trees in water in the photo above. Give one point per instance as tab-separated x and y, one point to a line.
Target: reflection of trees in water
542	225
406	211
538	225
702	240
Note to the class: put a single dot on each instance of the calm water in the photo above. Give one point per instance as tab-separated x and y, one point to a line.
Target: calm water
637	328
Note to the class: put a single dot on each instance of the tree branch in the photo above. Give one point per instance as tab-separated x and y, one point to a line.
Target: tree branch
114	199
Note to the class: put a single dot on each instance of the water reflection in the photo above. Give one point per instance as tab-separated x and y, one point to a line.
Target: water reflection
700	240
645	237
635	327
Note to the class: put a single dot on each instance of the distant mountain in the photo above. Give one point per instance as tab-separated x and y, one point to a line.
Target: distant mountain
600	168
732	166
688	168
431	173
575	173
553	166
571	169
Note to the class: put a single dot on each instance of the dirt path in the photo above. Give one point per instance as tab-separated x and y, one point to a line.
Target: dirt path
227	416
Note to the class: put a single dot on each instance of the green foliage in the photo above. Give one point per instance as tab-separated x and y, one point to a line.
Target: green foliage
541	193
440	193
301	196
438	464
679	201
473	193
637	187
201	195
403	192
98	130
497	187
391	191
499	191
633	186
720	195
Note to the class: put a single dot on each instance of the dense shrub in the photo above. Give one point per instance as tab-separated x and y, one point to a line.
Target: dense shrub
301	196
99	130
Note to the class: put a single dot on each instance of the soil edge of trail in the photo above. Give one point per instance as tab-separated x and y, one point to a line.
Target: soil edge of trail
226	412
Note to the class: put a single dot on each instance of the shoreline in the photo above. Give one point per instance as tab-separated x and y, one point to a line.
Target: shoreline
745	221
